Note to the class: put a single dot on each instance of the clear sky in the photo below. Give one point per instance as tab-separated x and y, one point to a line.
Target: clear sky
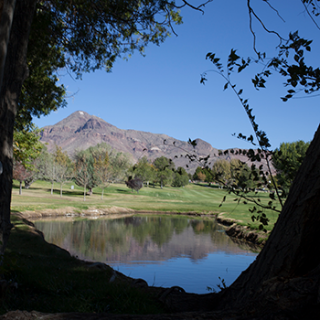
161	92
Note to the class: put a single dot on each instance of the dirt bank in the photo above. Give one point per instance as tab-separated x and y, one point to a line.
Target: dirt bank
244	233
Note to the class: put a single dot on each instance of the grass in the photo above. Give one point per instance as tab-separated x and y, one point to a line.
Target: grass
50	280
191	198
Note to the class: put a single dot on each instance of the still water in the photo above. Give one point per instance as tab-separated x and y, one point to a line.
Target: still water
165	251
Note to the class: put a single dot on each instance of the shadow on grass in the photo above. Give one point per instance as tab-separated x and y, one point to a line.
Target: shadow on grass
124	191
207	186
66	193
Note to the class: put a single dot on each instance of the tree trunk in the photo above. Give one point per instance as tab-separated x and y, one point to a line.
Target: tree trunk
6	15
20	188
51	187
60	189
15	72
28	183
286	274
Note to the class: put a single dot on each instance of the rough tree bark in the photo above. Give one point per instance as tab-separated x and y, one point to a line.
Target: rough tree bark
6	14
15	72
286	274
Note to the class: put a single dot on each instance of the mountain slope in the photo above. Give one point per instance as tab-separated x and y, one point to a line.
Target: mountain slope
81	130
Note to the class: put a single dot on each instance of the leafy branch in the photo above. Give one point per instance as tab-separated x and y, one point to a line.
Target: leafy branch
203	161
263	152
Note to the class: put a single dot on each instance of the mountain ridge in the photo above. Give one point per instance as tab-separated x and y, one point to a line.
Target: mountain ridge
81	130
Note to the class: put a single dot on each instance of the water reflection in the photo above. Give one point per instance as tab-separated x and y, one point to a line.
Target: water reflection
178	244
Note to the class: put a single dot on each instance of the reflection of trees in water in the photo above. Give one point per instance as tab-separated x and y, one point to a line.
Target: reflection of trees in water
180	224
54	231
204	226
140	236
159	229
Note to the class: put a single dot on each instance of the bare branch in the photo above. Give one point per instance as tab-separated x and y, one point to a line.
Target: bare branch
274	9
186	3
170	24
252	13
310	15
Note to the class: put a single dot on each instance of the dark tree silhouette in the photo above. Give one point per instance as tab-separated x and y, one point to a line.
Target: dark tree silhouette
135	184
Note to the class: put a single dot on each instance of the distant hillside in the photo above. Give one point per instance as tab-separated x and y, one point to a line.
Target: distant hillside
81	130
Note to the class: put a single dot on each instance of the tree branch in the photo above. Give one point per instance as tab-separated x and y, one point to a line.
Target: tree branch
311	17
252	13
186	3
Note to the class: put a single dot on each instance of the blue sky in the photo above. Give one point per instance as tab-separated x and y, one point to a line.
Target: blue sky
161	93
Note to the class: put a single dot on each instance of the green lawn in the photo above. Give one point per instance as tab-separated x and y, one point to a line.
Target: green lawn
191	198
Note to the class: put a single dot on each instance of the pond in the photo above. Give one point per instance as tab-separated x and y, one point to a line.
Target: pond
192	253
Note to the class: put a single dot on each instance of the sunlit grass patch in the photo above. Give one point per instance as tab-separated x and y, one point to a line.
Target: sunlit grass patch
191	198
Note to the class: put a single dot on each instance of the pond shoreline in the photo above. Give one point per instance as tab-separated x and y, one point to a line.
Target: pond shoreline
105	212
234	229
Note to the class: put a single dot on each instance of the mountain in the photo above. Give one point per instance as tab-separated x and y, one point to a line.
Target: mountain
81	130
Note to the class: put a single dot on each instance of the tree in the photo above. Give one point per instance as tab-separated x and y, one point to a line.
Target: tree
164	170
20	173
143	170
221	172
27	146
201	176
42	167
85	173
120	164
41	93
134	184
209	174
287	160
102	169
180	178
82	174
195	174
90	35
50	169
63	167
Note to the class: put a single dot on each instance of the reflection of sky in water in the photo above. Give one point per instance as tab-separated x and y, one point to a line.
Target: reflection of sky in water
193	276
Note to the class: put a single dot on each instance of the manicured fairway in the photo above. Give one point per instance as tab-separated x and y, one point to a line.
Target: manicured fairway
191	198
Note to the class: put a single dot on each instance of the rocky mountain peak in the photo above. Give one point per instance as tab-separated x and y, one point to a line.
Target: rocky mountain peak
81	130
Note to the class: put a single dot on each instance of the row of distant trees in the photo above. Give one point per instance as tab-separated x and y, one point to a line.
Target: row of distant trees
101	165
234	173
96	166
161	171
90	168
